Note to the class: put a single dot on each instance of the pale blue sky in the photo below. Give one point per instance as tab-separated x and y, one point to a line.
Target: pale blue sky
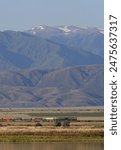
24	14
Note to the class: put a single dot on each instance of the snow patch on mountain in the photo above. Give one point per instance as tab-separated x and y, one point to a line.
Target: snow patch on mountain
38	28
65	29
101	31
41	27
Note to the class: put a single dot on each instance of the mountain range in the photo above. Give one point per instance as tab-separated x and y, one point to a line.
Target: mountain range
68	87
87	39
51	67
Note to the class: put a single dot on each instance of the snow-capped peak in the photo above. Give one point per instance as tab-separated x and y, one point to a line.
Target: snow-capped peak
38	28
65	29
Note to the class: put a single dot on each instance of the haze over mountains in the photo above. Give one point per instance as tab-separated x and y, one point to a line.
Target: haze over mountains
51	67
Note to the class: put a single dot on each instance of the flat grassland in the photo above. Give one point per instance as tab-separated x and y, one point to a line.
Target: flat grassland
87	128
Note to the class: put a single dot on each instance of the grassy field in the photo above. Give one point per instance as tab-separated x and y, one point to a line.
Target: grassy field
89	127
33	134
49	112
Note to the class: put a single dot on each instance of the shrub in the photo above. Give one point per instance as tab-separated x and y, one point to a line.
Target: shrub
38	124
65	123
57	123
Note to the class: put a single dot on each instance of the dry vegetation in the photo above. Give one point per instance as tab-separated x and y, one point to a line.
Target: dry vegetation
87	129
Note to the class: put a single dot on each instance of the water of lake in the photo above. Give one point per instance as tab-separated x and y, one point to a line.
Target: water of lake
51	146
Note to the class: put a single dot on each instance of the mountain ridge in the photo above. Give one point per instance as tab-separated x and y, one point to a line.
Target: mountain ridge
68	87
36	52
88	39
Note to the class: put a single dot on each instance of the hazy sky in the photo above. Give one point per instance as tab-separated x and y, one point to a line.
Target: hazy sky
24	14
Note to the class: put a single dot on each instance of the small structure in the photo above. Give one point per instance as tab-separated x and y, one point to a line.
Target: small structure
27	119
50	119
37	119
17	119
65	122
